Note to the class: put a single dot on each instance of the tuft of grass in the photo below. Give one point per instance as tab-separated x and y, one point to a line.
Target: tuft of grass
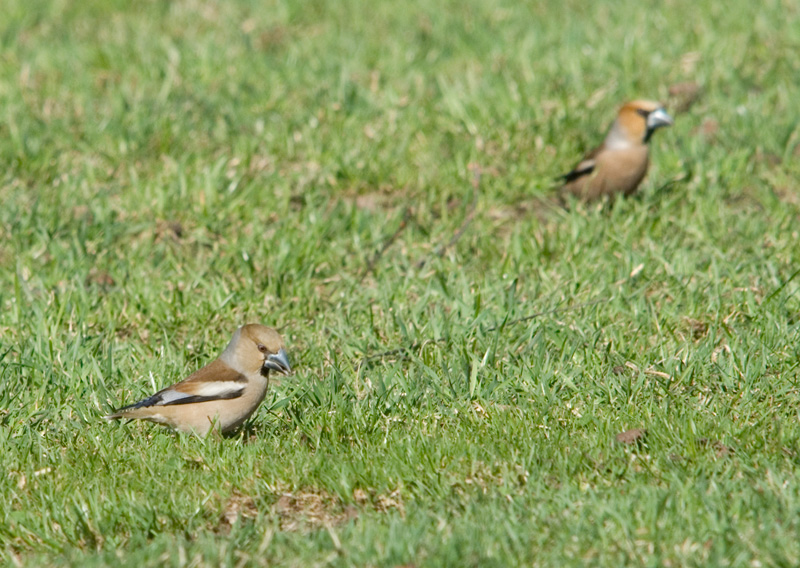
376	181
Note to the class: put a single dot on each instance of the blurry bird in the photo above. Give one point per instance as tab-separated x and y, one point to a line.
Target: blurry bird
620	163
223	394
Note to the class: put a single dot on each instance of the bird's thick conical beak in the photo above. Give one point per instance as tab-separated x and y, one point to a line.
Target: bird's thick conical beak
278	362
658	118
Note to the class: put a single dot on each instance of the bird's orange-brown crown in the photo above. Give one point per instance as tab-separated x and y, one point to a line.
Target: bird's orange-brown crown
263	335
250	346
633	125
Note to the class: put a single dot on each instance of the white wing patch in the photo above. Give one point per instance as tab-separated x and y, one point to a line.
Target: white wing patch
219	388
205	390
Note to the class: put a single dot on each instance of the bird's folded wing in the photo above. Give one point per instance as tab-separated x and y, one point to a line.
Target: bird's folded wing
583	168
217	381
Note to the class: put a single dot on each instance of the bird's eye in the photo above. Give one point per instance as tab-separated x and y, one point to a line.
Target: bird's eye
262	348
642	112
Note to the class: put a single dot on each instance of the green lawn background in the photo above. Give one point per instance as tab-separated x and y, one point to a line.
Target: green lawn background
369	176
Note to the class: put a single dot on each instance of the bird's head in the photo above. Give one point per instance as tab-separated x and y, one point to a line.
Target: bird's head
258	348
636	122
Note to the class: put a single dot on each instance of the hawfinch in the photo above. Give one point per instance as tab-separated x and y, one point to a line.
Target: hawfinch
223	394
620	163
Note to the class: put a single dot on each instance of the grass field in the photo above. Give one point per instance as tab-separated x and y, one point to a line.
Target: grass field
373	176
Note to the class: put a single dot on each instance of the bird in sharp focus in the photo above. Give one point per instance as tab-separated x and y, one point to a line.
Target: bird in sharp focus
224	393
